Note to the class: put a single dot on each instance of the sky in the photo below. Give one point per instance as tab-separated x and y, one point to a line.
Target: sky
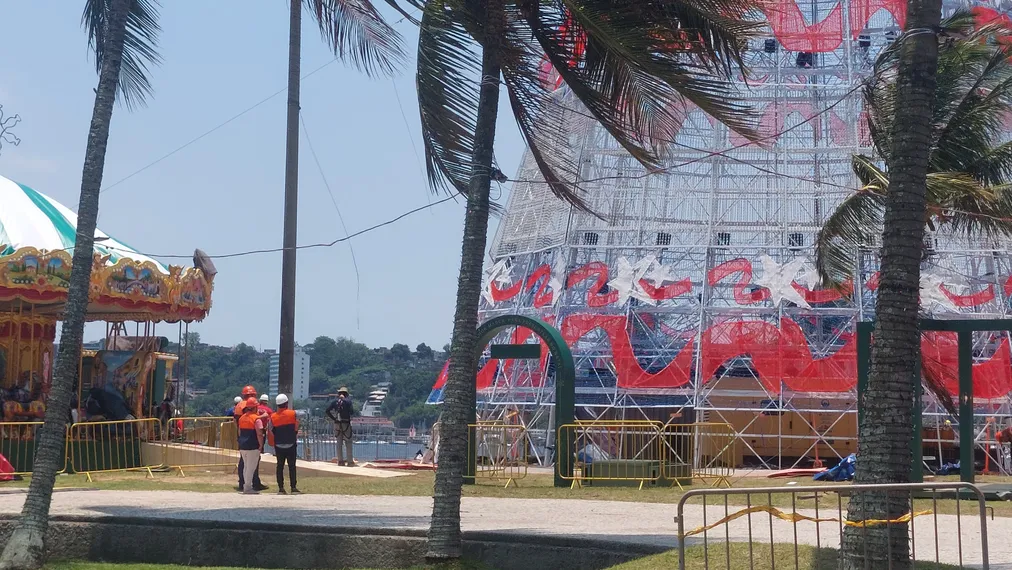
224	193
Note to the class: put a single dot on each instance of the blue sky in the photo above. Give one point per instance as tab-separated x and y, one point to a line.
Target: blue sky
224	193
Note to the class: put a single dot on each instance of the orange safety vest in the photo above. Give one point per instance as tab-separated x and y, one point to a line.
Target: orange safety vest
248	432
284	428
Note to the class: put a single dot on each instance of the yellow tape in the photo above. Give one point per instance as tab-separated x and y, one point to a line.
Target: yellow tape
797	517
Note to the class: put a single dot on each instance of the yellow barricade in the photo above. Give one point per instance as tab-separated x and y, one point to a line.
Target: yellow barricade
196	443
699	450
17	444
610	452
499	452
716	453
125	445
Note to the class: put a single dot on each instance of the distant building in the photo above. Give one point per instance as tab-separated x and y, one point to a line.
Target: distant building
300	381
373	406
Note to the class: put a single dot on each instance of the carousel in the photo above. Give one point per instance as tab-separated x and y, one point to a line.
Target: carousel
130	374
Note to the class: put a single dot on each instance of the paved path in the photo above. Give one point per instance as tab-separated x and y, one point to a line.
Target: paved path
643	523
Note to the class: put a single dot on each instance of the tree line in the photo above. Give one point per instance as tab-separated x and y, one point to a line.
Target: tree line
333	362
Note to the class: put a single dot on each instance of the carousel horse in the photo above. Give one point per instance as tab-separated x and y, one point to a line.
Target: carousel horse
22	406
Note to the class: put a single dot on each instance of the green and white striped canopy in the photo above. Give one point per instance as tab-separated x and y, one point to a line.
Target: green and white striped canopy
30	218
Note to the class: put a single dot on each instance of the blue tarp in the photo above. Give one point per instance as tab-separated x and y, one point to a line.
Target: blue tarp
844	471
948	469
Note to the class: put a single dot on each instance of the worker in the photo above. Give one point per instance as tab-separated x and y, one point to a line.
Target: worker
251	444
282	436
264	408
264	411
230	410
339	412
247	393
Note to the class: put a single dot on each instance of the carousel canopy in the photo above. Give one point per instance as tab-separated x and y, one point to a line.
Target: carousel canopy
29	218
37	237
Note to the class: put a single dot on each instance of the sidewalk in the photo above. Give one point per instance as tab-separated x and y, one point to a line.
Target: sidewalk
638	523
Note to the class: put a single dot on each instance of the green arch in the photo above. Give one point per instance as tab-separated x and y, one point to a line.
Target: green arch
565	386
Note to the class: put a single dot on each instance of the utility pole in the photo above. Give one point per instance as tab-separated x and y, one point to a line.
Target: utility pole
286	347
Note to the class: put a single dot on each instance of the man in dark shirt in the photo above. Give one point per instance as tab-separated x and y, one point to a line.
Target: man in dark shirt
339	412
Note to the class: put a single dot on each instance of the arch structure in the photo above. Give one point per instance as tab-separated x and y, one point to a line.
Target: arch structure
565	383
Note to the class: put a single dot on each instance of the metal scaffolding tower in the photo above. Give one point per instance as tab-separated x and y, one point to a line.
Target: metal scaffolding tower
693	296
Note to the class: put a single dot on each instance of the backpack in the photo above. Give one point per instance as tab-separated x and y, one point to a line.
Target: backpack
345	409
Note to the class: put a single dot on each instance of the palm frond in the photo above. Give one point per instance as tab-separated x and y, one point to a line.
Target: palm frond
879	92
635	74
140	46
357	32
994	166
447	79
542	116
975	210
854	225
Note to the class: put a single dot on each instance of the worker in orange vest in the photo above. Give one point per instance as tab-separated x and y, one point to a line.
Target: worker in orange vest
283	437
247	393
251	444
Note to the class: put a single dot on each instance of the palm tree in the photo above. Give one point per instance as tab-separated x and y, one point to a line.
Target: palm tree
969	177
631	65
969	180
907	103
124	35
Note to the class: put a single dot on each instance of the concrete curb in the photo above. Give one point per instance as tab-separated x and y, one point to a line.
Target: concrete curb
214	543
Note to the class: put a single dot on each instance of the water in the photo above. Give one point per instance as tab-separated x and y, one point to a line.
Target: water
323	450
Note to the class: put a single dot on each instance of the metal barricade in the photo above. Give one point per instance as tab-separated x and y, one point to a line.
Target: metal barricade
317	441
615	452
17	444
704	451
125	445
803	526
499	451
196	443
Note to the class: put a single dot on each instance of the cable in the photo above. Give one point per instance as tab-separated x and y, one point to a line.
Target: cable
354	261
411	139
298	247
407	127
234	117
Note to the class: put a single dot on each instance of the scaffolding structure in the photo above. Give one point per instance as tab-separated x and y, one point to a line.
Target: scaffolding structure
693	297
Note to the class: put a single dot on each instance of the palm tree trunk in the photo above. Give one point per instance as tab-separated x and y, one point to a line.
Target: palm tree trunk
884	439
459	394
26	548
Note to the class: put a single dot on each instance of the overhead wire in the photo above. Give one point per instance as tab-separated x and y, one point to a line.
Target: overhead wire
705	156
212	130
411	138
298	247
344	227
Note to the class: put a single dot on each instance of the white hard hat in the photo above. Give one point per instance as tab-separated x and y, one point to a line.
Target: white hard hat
281	400
238	399
265	398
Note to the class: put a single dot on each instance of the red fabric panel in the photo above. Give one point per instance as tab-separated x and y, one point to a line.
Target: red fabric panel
992	378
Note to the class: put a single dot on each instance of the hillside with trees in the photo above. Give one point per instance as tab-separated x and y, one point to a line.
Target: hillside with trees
222	371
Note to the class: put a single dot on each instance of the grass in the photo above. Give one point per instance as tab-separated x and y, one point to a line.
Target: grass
737	555
533	486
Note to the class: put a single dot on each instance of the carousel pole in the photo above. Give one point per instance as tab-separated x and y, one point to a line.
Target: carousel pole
286	347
